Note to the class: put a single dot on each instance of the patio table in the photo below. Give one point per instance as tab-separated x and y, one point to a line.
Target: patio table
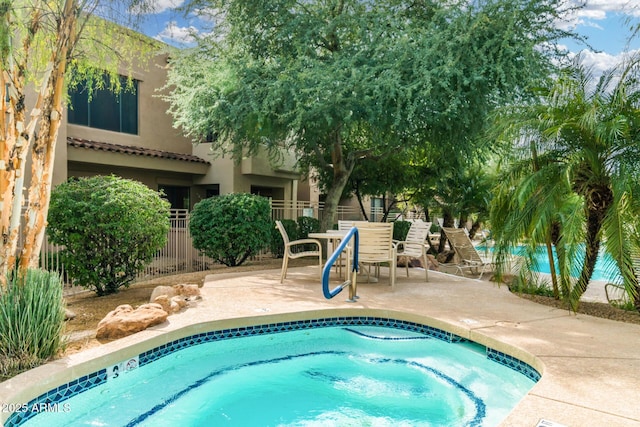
334	237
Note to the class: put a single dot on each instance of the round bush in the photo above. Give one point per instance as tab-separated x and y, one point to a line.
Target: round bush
110	228
232	227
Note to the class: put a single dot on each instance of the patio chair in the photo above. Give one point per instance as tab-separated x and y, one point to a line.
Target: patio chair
290	253
343	260
415	246
376	246
470	258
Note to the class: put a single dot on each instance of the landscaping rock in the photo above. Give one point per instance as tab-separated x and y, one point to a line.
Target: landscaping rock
124	320
68	314
168	291
175	298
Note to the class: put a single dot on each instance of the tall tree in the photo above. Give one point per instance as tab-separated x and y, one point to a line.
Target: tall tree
584	151
40	41
338	80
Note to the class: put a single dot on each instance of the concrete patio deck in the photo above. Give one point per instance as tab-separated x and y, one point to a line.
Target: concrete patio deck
590	367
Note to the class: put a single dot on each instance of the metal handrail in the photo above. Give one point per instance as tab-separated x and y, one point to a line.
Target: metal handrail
328	294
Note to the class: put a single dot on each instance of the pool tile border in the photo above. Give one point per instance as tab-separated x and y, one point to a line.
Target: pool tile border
60	394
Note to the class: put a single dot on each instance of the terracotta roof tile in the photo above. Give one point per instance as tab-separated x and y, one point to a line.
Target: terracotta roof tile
130	149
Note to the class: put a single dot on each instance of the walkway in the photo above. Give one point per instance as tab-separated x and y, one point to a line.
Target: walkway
590	367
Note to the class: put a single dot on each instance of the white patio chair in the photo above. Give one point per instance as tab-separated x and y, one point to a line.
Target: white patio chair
290	254
415	246
376	246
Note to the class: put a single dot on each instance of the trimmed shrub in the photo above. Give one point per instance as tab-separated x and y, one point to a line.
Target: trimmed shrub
31	321
307	225
110	228
232	227
400	230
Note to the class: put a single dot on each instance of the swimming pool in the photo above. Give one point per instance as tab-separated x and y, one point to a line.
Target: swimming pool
604	269
327	371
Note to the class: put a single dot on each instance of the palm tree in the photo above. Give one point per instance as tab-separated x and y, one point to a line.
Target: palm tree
583	155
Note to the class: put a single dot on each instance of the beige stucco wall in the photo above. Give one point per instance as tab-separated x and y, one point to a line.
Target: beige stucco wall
155	125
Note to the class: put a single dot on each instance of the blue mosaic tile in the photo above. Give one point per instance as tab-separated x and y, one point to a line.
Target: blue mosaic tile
513	363
58	395
87	382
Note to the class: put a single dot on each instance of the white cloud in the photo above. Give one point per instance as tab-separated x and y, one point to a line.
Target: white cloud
598	9
176	35
601	61
159	6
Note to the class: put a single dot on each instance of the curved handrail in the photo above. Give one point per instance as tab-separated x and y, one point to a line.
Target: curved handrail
328	294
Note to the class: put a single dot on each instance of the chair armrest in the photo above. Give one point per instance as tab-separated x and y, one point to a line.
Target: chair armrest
304	241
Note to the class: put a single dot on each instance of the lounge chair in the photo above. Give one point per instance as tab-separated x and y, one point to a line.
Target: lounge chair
415	245
470	258
289	245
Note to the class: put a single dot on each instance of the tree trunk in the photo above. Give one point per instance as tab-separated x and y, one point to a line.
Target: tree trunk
598	200
362	209
447	221
342	168
475	226
552	269
43	152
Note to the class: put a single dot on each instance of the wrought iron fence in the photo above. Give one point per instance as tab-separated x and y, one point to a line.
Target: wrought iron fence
179	256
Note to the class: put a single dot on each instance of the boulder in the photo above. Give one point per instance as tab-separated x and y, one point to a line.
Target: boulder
173	304
162	290
187	290
164	302
124	320
69	315
445	257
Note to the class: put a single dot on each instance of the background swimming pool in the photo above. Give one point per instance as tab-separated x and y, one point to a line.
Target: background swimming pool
604	269
356	375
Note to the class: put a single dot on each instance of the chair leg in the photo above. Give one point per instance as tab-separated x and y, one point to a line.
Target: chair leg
426	267
285	262
392	273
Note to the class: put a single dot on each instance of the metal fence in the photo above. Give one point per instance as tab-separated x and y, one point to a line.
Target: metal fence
179	256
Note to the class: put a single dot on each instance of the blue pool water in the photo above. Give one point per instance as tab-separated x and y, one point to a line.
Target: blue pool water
604	269
328	376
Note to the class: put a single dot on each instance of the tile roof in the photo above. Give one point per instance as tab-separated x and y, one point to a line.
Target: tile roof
130	149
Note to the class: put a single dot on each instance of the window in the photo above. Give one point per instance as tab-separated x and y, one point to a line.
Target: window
105	109
213	191
176	195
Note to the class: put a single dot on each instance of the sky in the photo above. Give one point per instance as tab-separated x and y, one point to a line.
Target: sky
602	22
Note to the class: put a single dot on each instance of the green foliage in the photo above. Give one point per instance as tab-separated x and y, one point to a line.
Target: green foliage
400	230
521	285
573	180
341	84
31	321
110	228
232	227
307	225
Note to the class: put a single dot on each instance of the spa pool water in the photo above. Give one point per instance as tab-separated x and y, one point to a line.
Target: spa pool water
334	376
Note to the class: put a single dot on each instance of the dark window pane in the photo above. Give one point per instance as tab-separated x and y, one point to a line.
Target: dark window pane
130	109
104	110
78	113
176	195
